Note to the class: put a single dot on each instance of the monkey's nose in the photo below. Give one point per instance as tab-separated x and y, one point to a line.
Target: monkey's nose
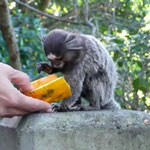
57	63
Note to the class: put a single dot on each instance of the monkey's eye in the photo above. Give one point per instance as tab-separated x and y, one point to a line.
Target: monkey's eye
58	64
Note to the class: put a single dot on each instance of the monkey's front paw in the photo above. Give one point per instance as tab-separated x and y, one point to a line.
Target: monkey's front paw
55	107
75	108
59	108
43	66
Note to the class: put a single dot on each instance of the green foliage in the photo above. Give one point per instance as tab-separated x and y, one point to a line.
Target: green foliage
28	30
132	58
123	26
3	52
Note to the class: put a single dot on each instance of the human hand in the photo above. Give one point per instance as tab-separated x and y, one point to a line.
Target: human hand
12	101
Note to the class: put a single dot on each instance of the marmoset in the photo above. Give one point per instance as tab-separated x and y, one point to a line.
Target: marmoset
87	66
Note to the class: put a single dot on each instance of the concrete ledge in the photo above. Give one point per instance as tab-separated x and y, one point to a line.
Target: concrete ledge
97	130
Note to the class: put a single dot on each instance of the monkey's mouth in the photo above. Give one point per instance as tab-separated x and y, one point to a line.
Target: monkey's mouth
58	64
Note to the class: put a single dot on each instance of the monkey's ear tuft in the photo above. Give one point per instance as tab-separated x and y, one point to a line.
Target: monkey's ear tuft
72	42
43	38
71	55
74	55
70	37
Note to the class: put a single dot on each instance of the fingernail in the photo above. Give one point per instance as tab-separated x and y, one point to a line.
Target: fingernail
32	87
49	110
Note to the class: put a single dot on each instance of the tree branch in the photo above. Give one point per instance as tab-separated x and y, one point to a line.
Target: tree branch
43	4
121	97
87	21
8	34
49	15
76	9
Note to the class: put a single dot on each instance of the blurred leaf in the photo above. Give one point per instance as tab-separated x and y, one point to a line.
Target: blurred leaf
120	63
136	84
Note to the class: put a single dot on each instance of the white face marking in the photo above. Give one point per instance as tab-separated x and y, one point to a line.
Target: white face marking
51	56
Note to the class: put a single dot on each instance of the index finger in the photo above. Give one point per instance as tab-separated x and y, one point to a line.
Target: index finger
32	104
21	79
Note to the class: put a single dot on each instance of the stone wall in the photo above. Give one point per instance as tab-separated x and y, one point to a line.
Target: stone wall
95	130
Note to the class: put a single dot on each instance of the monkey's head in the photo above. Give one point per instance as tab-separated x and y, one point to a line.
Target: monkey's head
64	49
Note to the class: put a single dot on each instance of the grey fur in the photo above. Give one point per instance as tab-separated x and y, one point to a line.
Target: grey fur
94	77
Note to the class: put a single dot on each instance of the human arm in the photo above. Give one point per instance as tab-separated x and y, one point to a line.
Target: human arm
12	101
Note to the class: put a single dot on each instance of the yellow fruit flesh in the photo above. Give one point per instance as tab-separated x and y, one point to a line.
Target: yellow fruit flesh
50	89
43	80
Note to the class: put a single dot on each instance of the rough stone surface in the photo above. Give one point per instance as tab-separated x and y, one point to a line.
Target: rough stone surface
96	130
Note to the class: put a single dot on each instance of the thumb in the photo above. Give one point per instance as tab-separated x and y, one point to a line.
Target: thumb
21	79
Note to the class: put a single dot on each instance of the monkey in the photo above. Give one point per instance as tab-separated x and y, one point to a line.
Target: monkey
87	67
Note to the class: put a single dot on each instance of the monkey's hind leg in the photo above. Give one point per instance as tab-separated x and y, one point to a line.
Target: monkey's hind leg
88	108
91	94
76	106
112	105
